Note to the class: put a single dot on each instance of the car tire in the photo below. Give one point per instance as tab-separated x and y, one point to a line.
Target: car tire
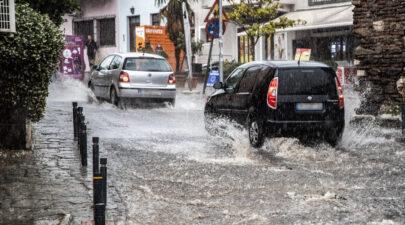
333	137
256	131
208	120
113	97
172	102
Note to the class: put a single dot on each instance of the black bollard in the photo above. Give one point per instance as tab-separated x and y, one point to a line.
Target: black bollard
74	104
95	155
103	171
99	214
403	120
83	144
97	188
78	122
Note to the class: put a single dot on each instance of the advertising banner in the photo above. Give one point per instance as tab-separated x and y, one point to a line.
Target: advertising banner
303	54
72	59
213	78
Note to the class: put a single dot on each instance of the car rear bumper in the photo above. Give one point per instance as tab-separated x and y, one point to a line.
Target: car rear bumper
287	128
147	93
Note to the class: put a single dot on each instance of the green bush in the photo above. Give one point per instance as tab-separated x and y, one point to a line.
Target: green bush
27	61
229	67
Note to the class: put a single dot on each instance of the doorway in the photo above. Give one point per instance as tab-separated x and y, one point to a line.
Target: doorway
133	21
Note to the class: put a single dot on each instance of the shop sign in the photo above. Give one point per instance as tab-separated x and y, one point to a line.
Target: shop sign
72	57
302	54
321	2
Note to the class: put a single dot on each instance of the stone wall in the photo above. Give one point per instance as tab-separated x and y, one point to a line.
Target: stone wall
380	58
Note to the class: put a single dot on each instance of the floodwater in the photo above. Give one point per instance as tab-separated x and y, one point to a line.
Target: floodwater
168	170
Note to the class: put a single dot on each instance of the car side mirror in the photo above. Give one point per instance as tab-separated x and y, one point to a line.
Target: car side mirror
218	85
229	90
95	67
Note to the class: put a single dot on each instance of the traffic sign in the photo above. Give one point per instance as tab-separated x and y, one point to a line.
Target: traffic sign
212	28
213	78
214	13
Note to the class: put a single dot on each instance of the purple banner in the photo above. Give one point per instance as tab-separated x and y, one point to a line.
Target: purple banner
72	57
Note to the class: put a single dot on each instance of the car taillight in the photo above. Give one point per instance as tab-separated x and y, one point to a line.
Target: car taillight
172	79
340	94
272	94
124	77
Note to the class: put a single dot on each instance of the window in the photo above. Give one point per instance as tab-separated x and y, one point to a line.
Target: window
248	81
147	64
106	30
155	19
7	16
233	79
133	22
115	64
245	49
105	64
308	81
83	28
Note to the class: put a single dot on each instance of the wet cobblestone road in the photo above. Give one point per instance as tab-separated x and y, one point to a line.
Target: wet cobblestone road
165	169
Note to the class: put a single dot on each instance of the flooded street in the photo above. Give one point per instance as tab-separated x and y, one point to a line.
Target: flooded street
167	169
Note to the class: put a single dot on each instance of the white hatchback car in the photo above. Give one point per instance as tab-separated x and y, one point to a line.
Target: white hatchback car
126	76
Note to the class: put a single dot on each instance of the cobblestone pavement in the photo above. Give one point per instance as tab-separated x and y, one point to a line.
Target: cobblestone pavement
48	184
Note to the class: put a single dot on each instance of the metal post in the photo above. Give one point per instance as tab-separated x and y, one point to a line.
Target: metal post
221	57
103	171
95	155
99	206
207	72
403	120
83	143
74	120
97	188
99	214
78	122
80	119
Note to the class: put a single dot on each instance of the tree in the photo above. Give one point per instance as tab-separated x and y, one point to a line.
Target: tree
55	9
196	47
258	18
173	12
27	61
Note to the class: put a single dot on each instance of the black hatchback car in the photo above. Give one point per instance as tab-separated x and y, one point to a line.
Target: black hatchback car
281	98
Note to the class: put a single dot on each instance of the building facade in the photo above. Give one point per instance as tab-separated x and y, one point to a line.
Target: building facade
111	23
328	33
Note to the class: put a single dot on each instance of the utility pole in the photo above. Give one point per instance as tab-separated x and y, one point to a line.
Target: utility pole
221	57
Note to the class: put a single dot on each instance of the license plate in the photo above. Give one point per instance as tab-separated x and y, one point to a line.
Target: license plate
309	106
150	92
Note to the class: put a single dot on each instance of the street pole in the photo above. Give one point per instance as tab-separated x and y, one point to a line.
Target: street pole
207	71
221	57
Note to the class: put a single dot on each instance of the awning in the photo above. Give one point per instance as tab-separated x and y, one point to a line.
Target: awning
322	18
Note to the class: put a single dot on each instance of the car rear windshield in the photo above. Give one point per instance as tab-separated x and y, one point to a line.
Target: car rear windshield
307	81
147	64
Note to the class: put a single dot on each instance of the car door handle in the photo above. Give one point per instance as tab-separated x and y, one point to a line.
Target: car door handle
243	93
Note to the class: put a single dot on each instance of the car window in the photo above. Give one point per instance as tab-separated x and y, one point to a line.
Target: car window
105	64
248	80
233	79
115	64
307	81
147	64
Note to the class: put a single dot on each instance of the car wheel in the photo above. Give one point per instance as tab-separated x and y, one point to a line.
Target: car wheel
208	120
256	132
113	97
333	137
172	102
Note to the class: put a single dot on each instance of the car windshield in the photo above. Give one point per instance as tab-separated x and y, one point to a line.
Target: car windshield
147	64
307	81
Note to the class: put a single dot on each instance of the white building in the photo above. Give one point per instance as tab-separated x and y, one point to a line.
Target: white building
111	23
327	32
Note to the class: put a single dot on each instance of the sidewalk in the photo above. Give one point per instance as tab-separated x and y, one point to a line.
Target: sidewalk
48	185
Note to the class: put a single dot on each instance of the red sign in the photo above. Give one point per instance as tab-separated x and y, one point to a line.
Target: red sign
212	28
214	13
